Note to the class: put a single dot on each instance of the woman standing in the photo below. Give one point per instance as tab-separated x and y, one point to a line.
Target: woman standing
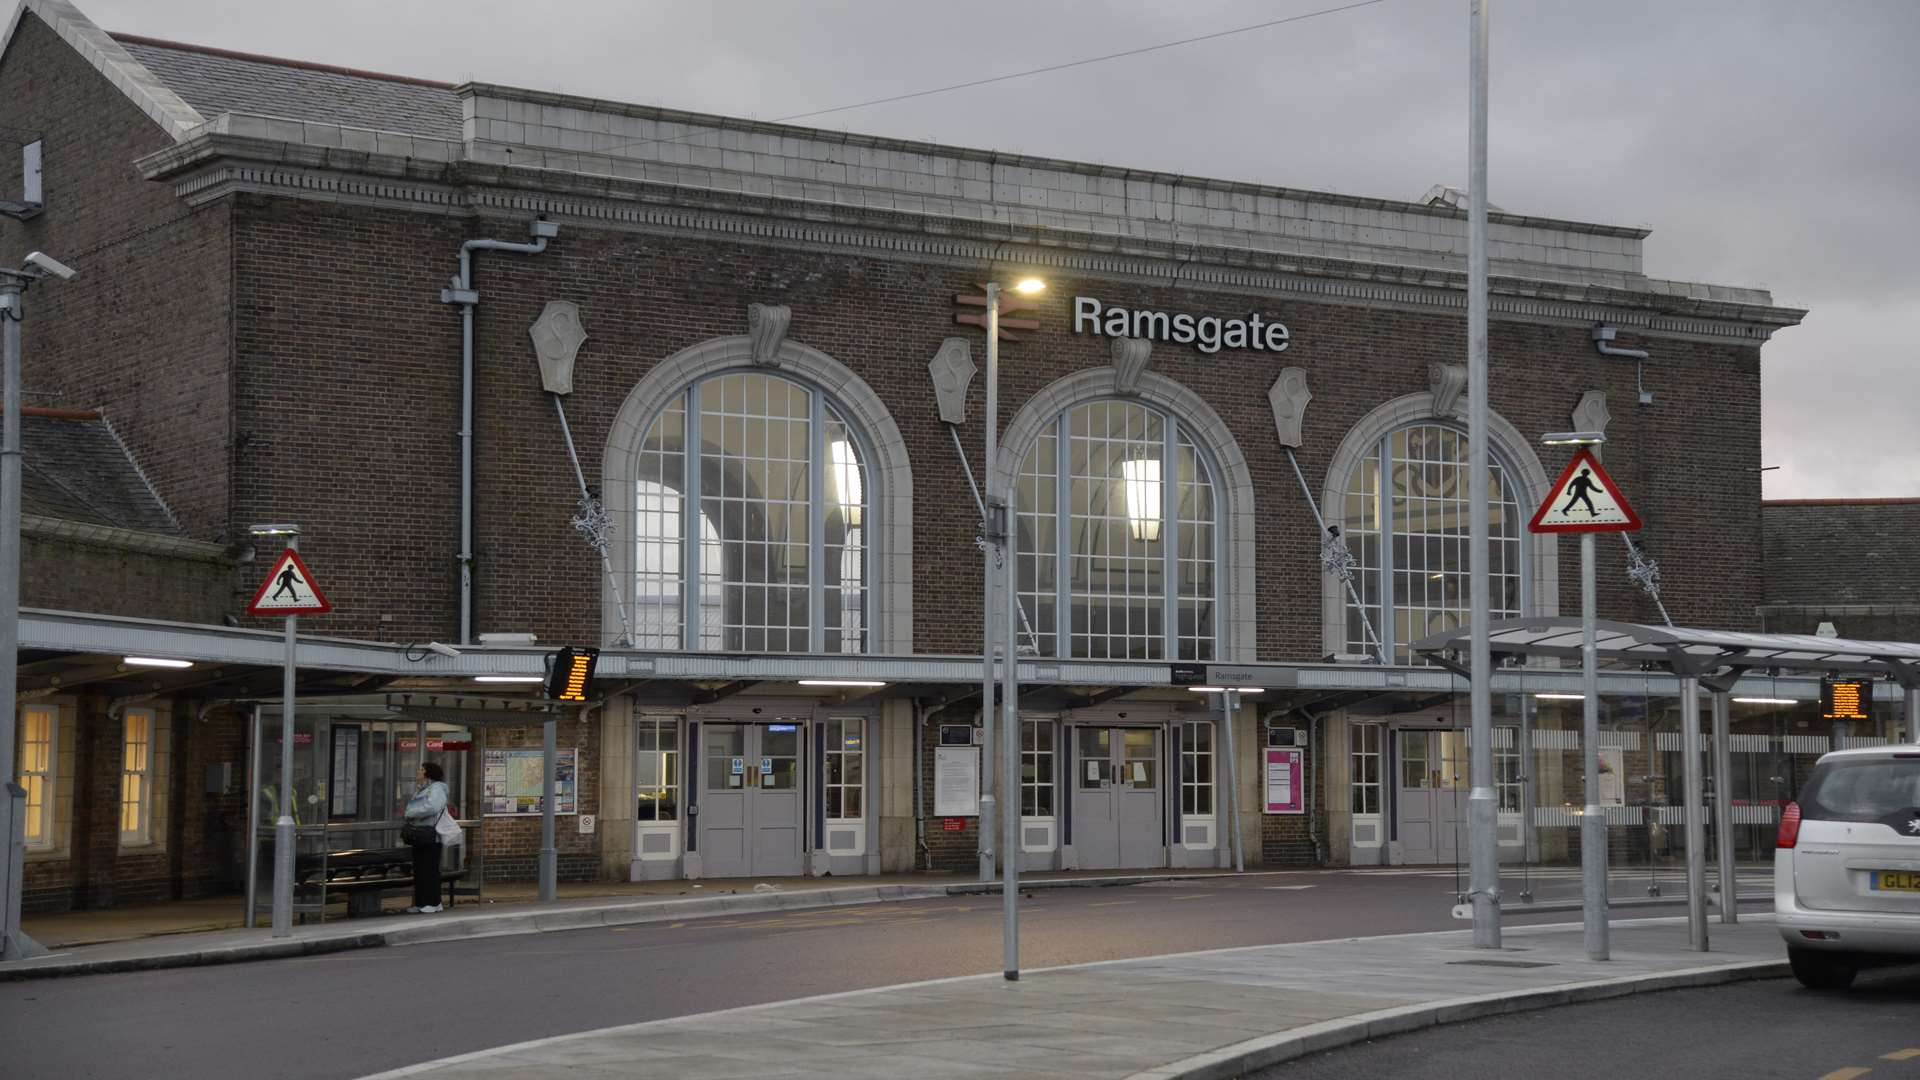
423	813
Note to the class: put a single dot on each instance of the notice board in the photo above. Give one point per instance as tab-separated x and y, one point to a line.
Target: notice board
1285	776
956	781
514	780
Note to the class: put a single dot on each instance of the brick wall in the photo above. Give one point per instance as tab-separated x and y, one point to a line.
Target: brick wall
513	843
142	333
74	576
349	391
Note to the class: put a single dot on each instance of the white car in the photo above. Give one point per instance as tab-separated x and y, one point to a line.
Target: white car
1846	866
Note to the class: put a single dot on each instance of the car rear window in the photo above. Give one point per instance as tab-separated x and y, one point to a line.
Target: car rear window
1865	790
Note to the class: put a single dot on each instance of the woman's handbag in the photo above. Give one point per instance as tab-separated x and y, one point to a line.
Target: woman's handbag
417	835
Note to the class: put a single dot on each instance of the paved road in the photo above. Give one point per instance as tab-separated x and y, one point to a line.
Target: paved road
1753	1031
349	1014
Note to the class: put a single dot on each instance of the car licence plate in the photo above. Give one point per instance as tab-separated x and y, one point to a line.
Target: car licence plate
1896	881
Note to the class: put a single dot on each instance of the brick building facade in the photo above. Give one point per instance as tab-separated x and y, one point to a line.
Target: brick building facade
264	246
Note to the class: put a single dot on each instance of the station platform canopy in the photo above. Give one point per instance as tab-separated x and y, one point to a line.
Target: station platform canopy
1688	653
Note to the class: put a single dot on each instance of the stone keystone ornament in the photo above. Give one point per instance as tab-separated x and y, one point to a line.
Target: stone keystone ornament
1289	398
1130	356
952	370
766	329
1447	381
557	336
1591	414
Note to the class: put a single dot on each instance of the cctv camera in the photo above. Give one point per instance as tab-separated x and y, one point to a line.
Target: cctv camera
51	265
443	650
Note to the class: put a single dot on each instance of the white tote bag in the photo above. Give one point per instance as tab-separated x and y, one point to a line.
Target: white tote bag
450	831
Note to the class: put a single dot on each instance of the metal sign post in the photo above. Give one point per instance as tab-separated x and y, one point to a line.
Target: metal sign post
1586	500
288	590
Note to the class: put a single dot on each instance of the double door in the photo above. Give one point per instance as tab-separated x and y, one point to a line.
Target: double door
752	806
1431	800
1119	802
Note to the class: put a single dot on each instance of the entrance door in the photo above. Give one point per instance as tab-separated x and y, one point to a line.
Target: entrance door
1432	795
1117	798
750	802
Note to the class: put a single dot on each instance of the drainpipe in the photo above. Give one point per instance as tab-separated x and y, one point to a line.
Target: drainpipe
463	293
1602	334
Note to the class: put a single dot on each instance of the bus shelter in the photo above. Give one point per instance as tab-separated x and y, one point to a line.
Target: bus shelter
1713	660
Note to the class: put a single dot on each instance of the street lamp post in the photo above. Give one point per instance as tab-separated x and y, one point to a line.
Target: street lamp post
13	286
999	556
1482	809
1593	821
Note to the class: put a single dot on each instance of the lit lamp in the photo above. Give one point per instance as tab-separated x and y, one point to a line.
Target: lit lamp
845	469
1141	480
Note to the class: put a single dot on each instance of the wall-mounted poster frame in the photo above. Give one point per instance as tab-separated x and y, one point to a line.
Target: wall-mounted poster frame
514	778
1284	776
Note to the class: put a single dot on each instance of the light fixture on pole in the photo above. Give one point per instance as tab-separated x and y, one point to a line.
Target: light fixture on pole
999	559
13	286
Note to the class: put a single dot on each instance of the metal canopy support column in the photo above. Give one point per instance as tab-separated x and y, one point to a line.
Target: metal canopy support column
1695	825
549	859
1723	807
1912	718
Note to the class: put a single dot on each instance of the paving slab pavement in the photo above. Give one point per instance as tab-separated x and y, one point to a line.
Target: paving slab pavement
175	938
1195	1016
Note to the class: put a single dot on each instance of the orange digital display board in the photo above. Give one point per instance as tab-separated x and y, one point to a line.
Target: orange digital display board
572	674
1846	699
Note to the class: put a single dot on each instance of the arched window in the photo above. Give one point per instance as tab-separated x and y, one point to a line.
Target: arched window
1405	520
1118	531
777	547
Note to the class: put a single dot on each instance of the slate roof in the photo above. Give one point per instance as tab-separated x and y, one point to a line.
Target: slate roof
76	469
215	81
1832	551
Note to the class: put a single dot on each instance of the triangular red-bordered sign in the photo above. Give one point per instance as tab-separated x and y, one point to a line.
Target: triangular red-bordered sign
1584	499
293	588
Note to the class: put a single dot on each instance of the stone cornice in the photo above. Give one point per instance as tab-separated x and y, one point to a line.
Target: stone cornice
965	153
212	165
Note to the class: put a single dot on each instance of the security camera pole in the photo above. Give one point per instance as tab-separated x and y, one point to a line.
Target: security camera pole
288	590
14	945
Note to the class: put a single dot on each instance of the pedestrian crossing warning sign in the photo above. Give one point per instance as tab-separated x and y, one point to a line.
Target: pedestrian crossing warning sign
1584	499
289	590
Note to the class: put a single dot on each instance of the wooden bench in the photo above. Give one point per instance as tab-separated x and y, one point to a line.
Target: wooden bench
366	875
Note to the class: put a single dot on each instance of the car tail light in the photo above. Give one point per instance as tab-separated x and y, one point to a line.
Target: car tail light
1789	833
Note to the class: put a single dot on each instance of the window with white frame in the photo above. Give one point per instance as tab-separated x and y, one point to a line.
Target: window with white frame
1506	770
657	769
843	742
1036	768
777	549
1118	527
136	777
1405	517
38	750
1196	768
1364	762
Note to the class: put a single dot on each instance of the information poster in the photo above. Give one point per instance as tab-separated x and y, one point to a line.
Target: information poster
346	772
514	780
1286	792
956	781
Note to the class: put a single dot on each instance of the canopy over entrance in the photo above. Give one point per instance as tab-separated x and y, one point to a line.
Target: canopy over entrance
1708	655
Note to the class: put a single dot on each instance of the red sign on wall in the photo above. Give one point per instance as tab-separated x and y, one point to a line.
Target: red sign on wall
952	824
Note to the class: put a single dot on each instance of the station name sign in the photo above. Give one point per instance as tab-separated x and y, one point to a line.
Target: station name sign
1208	333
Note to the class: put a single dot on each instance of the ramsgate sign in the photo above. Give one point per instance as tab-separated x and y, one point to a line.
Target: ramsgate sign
1208	333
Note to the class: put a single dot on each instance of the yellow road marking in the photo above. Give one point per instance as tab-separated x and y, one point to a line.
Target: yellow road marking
1192	896
1847	1073
1908	1054
1113	903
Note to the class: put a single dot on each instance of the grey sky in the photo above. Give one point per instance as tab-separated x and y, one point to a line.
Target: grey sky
1765	142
